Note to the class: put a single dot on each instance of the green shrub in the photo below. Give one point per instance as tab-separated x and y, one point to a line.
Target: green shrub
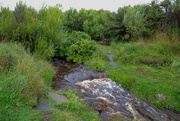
44	49
78	48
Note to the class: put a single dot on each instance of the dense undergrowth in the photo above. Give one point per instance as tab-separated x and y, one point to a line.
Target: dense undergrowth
23	79
146	68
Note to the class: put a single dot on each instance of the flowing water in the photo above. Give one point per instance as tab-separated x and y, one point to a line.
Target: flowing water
69	73
106	97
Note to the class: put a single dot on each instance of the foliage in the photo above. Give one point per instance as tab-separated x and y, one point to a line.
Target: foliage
78	48
44	49
134	20
23	79
51	25
7	23
176	14
92	22
154	16
34	29
116	26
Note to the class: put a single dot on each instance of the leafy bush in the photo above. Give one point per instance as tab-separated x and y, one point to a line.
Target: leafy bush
44	49
78	48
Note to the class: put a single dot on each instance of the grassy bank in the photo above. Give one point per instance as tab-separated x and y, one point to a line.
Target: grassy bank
23	79
146	68
74	110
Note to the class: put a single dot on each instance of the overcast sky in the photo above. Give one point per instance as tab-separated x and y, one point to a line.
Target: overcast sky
111	5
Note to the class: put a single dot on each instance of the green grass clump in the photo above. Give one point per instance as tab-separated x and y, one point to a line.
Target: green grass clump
146	68
75	109
23	79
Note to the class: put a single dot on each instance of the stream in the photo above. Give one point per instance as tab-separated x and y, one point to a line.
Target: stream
106	97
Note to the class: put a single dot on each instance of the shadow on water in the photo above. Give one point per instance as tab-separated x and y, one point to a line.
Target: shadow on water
106	97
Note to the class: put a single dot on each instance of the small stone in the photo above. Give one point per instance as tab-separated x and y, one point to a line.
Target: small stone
161	96
83	91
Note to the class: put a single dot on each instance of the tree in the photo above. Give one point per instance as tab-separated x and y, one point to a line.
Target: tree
116	27
134	21
154	16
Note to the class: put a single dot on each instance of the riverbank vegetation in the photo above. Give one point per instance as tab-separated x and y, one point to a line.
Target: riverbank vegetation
23	80
145	40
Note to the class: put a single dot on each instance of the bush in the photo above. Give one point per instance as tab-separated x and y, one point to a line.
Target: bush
44	49
78	48
33	29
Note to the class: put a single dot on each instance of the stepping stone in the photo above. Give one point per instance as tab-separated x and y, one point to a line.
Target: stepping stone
58	98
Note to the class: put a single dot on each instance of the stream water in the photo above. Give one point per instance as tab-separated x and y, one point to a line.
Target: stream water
106	97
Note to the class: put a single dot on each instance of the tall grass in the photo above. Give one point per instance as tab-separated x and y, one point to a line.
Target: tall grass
23	79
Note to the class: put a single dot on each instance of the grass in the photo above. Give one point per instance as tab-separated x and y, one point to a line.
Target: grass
23	79
74	110
146	68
